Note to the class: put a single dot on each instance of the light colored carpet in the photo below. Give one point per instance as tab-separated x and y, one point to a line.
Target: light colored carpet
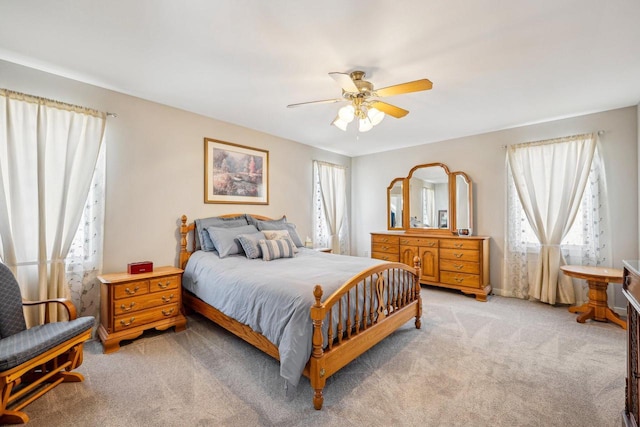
505	362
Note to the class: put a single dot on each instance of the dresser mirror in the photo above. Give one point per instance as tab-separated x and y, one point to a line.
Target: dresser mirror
394	205
430	198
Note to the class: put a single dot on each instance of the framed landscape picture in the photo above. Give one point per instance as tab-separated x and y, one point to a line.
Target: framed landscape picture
235	173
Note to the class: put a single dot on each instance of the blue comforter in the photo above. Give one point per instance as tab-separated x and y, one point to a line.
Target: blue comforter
272	297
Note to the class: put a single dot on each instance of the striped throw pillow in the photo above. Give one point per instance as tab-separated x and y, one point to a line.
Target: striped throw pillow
274	249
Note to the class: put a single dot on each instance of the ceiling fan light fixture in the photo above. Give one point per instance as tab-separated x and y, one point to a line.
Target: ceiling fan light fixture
340	124
375	116
347	113
365	125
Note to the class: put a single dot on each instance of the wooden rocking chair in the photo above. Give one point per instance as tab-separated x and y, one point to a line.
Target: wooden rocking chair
35	360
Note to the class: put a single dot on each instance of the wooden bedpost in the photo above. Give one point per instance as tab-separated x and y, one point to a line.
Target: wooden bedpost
418	266
184	230
316	363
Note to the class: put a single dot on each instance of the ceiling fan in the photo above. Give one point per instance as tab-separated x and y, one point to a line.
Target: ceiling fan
363	104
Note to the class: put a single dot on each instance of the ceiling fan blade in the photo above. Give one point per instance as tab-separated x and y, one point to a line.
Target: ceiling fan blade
345	82
415	86
325	101
389	109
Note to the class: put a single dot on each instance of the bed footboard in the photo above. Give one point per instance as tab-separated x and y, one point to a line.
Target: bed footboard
365	310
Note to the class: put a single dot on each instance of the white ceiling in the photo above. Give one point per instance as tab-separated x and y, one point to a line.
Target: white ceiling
494	64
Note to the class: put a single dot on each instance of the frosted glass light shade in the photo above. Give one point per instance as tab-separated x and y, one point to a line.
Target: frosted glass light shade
365	125
340	124
375	116
346	113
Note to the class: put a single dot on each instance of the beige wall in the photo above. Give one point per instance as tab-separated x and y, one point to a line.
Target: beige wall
482	157
155	169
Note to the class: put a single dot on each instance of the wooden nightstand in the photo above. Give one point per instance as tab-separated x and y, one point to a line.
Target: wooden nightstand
133	303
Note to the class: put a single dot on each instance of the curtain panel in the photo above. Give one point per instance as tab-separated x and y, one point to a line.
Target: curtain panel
48	153
546	182
330	219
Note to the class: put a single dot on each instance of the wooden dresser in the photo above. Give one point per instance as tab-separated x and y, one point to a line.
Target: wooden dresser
447	261
631	290
133	303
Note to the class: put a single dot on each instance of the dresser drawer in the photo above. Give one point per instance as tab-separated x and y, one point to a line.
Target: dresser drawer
460	266
131	320
460	244
130	289
383	238
386	256
460	254
142	302
384	247
419	241
158	284
460	279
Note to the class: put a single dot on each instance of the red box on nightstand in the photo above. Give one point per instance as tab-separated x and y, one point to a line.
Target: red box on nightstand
140	267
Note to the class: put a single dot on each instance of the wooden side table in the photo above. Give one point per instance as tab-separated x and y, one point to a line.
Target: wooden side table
327	250
598	278
133	303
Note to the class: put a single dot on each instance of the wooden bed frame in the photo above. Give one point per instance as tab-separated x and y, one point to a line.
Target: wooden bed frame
402	291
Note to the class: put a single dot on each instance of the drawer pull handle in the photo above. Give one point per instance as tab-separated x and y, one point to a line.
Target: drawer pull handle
168	313
385	257
125	308
458	255
404	242
459	279
123	323
385	240
458	245
165	286
385	248
167	299
458	266
431	244
132	292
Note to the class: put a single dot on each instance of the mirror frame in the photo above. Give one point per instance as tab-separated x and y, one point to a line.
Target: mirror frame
389	188
406	208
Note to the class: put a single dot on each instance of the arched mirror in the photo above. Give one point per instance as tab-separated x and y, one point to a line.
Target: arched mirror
432	198
395	197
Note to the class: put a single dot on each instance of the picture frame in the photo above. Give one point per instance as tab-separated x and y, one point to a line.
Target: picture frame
443	219
235	173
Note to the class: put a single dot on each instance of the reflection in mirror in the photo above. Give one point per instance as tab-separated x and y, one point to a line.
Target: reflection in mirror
428	197
395	207
463	203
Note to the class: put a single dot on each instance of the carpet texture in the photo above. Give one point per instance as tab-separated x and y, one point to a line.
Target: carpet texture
506	362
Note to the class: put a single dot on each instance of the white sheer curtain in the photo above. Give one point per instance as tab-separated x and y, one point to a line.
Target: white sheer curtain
429	207
549	178
330	219
48	154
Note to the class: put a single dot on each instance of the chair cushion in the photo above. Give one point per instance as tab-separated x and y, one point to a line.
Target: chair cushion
26	345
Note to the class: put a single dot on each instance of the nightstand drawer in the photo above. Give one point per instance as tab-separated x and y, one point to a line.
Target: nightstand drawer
131	289
164	283
132	320
143	302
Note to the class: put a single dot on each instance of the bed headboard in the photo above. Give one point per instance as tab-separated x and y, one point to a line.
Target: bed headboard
185	229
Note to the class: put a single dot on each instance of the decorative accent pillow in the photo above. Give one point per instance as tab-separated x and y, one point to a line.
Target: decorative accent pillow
279	235
224	239
203	241
274	249
251	244
251	220
291	228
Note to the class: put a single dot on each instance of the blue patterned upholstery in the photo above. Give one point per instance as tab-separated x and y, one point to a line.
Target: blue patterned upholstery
19	344
11	314
26	345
